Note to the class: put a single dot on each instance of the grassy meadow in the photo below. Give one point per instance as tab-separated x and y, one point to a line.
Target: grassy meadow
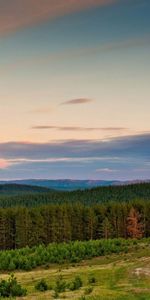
117	277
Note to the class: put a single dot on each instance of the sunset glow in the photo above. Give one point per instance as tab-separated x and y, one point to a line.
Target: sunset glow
74	89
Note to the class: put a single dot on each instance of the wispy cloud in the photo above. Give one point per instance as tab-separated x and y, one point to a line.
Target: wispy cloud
75	54
120	157
77	128
43	127
77	101
105	170
129	146
59	159
15	14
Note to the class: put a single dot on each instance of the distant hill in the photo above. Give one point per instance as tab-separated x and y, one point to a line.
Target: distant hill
67	184
16	189
25	195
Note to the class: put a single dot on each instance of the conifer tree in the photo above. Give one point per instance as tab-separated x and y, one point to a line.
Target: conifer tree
106	228
134	224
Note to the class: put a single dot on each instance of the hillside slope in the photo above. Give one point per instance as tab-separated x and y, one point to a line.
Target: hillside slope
16	189
22	195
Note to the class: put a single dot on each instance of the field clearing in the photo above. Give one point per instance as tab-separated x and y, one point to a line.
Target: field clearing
118	277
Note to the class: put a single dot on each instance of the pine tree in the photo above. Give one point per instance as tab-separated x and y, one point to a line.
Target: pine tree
2	230
134	224
90	223
22	223
106	228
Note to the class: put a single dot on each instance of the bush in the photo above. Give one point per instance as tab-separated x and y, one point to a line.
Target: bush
92	280
73	252
41	285
76	284
56	295
11	288
88	290
11	266
60	286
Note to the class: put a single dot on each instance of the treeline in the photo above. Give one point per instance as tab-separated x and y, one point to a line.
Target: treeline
73	252
17	189
21	226
124	193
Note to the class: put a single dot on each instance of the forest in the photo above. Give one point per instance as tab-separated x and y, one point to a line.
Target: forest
18	189
22	226
30	196
42	230
104	212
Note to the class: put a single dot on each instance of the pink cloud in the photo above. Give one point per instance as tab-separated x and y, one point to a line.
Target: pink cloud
3	164
16	14
77	101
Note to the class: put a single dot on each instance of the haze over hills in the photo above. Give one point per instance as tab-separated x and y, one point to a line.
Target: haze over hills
63	184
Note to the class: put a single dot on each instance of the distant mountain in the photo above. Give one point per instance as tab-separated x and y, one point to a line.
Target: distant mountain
64	184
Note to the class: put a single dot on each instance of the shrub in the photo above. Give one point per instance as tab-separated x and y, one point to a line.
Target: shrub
11	288
11	266
76	284
56	295
82	298
92	280
73	252
60	285
88	290
41	285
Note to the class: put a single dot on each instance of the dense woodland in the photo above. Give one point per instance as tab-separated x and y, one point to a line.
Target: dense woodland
28	196
21	226
105	212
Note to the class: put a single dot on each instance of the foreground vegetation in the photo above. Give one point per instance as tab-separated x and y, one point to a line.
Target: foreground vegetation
73	252
124	276
82	245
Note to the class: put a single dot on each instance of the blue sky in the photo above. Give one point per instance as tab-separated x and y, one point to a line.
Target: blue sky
75	74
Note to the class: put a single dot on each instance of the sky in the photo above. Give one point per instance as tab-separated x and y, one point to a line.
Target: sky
74	89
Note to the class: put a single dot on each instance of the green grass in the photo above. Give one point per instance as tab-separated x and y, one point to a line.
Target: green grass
118	277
